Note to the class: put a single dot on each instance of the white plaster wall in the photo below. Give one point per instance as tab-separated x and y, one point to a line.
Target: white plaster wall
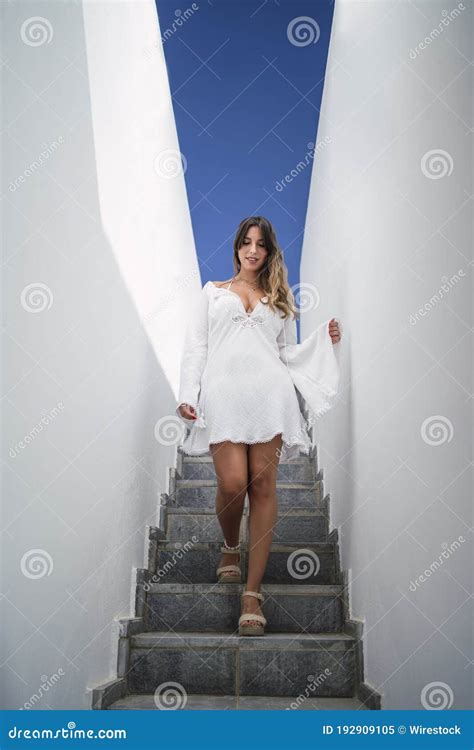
101	222
386	238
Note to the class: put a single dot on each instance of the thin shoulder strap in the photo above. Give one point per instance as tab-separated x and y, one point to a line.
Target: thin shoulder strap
230	283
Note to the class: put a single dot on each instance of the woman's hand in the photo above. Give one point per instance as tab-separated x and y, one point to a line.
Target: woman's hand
334	331
187	411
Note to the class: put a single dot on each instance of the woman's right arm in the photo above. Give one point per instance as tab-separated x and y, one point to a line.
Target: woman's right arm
194	355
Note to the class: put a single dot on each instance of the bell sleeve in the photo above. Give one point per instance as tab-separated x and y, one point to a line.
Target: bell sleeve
313	365
194	357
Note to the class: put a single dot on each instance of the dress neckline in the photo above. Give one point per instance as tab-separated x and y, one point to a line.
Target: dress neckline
226	289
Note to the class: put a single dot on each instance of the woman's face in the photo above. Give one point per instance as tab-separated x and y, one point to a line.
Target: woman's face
253	252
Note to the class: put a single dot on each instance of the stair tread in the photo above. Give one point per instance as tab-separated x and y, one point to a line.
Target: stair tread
147	701
235	588
269	639
302	485
195	510
244	545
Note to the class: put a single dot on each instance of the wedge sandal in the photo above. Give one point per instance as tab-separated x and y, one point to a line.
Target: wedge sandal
229	573
247	624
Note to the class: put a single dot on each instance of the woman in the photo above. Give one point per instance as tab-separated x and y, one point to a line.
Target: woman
240	370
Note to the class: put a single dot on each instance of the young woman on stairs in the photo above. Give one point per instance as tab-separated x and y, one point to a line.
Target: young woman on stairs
240	370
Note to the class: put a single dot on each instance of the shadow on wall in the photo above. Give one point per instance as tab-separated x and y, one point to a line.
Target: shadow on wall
85	453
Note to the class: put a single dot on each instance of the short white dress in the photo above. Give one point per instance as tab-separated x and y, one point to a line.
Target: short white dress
240	371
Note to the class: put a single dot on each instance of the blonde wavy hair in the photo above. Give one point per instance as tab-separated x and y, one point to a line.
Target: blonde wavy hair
273	276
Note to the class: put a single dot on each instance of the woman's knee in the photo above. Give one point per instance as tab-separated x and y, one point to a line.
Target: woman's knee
262	480
233	487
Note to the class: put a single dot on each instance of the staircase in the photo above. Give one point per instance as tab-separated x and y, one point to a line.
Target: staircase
184	631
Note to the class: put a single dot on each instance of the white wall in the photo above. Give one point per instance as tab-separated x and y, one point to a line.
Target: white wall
382	236
101	222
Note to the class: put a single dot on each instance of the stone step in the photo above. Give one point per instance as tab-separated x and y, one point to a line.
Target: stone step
302	470
210	607
294	525
287	563
201	494
313	665
150	702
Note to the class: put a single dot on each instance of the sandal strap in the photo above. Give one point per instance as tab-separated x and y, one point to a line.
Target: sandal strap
253	593
230	551
234	568
249	617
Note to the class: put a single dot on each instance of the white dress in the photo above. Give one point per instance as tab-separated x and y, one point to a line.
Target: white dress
240	371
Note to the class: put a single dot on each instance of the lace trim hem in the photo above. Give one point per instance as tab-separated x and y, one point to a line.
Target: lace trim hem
289	443
303	450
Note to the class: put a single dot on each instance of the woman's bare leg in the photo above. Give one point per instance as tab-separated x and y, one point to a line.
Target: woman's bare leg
263	468
230	461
